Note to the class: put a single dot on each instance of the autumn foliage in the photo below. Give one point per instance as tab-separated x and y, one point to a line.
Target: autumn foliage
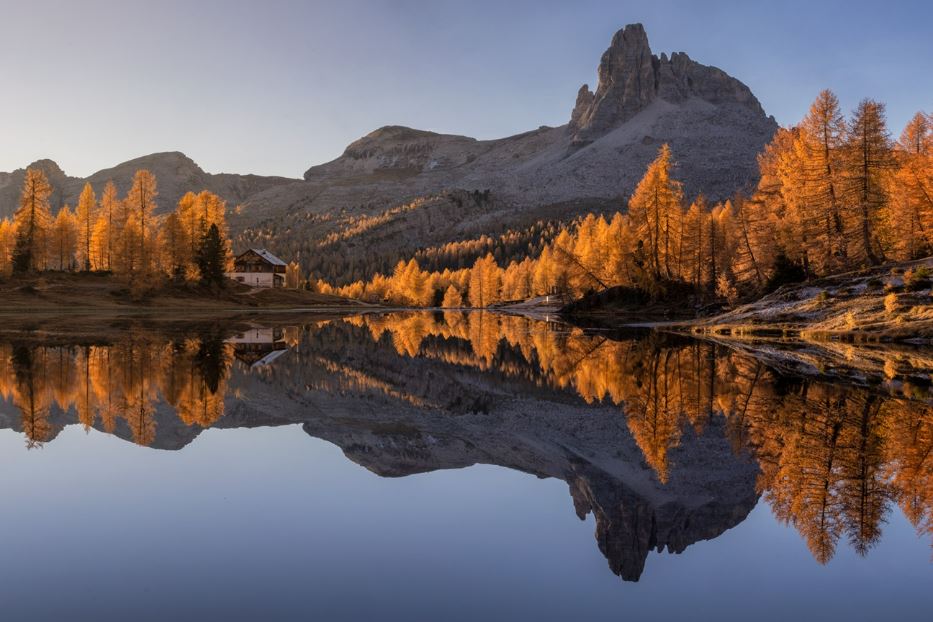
124	236
832	459
110	384
834	194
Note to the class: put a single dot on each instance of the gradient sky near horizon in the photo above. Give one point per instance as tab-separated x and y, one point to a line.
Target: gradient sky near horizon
273	87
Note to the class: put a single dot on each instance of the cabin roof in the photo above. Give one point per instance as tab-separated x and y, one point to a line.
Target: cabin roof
266	255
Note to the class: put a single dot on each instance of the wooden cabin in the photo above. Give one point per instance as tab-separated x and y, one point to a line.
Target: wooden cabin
257	267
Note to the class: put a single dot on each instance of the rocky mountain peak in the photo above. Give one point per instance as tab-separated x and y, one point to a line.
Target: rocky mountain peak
584	104
396	148
626	83
49	167
398	132
631	77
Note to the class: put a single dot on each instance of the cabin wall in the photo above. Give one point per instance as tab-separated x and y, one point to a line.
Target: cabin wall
254	279
261	336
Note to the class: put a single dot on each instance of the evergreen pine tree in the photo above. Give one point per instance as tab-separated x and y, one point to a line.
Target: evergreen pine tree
211	257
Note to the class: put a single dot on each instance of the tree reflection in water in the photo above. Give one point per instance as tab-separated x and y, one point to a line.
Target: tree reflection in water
831	459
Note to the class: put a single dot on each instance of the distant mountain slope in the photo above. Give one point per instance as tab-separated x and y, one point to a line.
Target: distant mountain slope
398	189
713	122
176	174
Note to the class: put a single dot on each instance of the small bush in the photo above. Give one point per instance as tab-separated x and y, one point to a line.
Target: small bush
873	283
144	286
890	369
897	271
823	296
726	289
917	279
890	303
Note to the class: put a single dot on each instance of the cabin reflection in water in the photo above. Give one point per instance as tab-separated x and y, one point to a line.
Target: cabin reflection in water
259	347
664	439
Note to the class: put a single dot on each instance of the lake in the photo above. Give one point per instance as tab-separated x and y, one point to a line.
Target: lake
452	466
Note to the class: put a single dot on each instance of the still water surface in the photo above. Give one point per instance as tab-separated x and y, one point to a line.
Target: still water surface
424	466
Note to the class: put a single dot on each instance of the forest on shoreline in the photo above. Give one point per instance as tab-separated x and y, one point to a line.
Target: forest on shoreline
117	235
834	195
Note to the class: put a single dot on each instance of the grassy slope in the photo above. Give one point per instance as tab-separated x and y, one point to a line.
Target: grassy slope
58	292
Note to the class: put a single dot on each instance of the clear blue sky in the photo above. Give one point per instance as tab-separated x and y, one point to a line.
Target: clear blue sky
273	87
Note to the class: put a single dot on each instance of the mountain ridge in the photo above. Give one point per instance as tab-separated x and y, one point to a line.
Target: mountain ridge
176	174
408	186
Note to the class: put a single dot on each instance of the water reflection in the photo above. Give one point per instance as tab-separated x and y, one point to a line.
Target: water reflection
665	440
115	386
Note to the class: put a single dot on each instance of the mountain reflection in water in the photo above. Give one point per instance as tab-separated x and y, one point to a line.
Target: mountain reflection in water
666	440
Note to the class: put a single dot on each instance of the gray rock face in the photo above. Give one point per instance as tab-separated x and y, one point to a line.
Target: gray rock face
399	150
585	99
712	122
631	77
627	82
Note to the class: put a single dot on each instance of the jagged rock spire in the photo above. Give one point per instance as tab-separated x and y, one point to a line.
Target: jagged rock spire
631	77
